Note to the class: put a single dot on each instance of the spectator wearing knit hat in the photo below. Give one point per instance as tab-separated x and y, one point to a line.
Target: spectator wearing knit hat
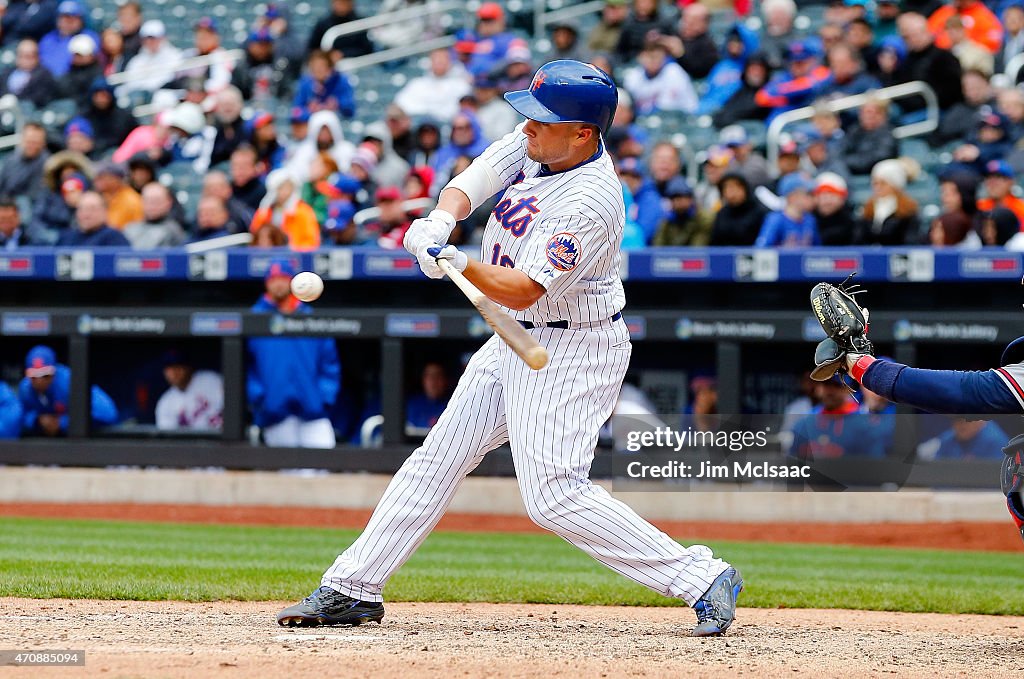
889	216
837	224
80	137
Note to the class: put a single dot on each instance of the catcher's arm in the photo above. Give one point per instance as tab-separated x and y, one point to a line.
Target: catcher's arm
845	324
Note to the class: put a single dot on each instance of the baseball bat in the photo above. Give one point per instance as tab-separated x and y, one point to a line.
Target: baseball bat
507	328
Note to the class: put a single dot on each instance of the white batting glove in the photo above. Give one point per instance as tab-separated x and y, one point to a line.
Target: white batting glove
454	255
428	262
427	231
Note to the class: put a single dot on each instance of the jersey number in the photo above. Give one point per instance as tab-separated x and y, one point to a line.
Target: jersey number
499	259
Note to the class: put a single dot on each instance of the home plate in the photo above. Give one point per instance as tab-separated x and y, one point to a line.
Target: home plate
326	637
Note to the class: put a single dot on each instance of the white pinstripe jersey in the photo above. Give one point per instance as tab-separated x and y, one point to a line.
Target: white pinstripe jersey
563	230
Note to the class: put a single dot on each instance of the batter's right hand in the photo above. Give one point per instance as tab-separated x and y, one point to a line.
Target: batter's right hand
427	231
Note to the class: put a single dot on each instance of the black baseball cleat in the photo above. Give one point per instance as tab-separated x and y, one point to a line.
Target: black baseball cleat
717	608
326	606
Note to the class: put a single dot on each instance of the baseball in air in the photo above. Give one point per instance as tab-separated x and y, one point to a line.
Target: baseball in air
307	286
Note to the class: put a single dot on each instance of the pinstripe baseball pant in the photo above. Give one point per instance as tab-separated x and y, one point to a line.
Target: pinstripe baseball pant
551	418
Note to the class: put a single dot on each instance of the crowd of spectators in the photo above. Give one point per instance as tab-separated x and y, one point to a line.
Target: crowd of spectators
299	180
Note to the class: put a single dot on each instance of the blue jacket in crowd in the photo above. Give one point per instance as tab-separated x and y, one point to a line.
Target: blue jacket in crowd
10	413
987	445
726	77
781	231
56	400
336	87
291	375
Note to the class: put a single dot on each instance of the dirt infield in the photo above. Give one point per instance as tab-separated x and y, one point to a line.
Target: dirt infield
225	639
999	537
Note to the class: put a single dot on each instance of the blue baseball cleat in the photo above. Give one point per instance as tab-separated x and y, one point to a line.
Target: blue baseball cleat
717	608
328	607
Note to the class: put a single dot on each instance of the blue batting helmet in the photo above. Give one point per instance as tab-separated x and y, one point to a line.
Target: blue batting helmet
567	91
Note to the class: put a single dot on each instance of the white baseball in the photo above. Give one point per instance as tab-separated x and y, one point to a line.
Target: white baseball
307	286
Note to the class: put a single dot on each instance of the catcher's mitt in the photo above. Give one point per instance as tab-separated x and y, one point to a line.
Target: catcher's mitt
845	324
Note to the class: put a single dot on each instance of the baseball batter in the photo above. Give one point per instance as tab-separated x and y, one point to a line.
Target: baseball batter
551	257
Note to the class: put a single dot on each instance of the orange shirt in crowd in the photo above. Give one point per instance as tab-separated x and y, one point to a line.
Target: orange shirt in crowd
1010	202
299	225
124	206
980	26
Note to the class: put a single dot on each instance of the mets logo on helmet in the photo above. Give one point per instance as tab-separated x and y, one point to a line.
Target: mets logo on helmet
563	251
538	80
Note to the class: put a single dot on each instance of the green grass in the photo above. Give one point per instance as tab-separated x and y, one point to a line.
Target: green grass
133	560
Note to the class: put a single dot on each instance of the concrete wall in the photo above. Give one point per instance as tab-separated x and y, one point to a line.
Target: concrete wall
480	496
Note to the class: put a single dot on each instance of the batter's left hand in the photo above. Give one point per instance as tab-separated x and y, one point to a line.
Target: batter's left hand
454	255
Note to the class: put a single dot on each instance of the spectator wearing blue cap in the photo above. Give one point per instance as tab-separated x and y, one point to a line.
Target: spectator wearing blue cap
988	141
646	209
744	159
871	140
339	227
820	153
889	60
999	189
54	47
292	382
794	225
260	76
79	137
685	225
155	50
45	395
28	79
804	80
277	19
